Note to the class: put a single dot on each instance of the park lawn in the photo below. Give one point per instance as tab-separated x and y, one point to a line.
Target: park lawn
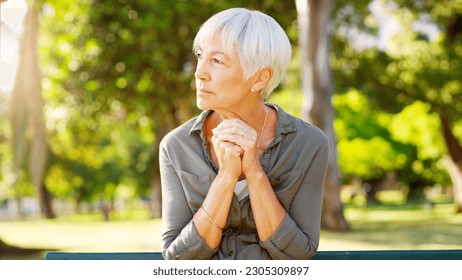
397	227
86	233
381	227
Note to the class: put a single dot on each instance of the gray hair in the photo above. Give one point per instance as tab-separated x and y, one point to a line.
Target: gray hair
258	39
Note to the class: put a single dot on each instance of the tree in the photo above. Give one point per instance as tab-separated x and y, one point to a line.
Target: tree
27	116
420	62
435	79
313	18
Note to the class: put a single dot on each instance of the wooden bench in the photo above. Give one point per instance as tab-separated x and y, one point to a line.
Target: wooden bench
325	255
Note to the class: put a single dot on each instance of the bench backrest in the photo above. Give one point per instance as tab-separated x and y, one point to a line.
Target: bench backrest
325	255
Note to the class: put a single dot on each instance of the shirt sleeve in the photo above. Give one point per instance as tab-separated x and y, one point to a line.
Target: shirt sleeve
297	237
180	238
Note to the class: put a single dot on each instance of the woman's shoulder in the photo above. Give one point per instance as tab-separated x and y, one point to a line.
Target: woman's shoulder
306	129
186	134
300	127
179	134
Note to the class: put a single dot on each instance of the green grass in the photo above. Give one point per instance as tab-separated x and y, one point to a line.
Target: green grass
397	227
85	233
379	227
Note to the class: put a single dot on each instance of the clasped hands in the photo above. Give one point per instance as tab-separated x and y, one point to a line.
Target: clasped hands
235	145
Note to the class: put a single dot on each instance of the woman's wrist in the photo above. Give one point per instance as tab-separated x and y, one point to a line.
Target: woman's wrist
211	219
254	169
228	175
255	174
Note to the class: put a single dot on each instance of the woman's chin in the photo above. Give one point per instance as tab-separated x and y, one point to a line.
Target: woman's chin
201	104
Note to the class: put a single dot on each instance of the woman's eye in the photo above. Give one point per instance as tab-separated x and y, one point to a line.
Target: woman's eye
216	60
198	55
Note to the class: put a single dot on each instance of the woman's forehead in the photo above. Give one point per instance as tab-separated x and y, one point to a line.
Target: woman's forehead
216	44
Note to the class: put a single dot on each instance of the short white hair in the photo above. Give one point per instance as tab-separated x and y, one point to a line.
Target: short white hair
258	39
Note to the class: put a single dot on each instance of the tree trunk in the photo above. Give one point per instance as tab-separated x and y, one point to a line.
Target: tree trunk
416	191
18	121
28	127
46	203
454	161
313	20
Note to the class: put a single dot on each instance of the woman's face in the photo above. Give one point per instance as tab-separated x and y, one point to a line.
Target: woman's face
220	79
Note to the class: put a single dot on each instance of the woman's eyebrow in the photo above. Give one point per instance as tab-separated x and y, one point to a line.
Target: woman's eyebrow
219	52
213	52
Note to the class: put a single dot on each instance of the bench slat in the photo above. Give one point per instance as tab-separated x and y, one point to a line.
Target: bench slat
390	255
324	255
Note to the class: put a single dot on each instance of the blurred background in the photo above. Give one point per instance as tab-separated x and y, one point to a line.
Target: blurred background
89	88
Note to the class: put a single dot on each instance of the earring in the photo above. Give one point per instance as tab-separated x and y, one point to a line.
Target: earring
252	90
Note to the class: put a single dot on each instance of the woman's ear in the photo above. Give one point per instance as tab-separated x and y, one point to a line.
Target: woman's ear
262	78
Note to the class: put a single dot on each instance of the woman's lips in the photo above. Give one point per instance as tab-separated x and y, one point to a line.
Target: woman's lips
204	92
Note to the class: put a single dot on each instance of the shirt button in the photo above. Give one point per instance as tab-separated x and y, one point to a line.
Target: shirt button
235	212
231	253
267	156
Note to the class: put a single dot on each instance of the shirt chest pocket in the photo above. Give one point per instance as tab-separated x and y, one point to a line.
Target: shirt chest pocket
195	187
286	187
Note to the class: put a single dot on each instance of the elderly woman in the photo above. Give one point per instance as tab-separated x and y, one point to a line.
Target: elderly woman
244	179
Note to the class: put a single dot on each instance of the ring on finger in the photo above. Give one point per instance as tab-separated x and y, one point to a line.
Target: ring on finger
243	132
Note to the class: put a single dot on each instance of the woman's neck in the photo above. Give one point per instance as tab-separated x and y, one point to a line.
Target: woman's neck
253	116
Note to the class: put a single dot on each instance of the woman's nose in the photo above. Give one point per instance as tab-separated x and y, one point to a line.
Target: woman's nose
201	71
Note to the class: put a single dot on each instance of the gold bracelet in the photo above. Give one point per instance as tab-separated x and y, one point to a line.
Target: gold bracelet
210	219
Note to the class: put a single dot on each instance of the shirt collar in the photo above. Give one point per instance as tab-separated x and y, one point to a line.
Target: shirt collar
200	121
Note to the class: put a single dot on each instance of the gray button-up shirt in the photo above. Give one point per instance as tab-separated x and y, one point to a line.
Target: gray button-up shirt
295	163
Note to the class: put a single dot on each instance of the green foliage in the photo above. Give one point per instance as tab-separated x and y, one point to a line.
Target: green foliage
357	118
423	131
368	159
365	147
